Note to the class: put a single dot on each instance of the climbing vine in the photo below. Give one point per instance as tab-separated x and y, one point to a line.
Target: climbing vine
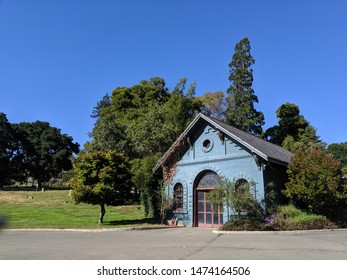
171	158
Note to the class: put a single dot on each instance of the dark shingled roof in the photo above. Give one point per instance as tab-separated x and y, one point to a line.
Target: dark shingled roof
267	149
262	148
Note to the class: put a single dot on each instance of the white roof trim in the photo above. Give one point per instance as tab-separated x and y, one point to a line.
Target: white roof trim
178	139
200	115
254	150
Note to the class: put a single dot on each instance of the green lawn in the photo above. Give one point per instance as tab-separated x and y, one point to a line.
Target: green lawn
56	209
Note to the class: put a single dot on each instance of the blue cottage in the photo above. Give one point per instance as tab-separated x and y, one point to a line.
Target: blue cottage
208	150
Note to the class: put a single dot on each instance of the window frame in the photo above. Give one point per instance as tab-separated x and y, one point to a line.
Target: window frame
178	197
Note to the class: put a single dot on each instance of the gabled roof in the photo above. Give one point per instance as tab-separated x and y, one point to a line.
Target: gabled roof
264	149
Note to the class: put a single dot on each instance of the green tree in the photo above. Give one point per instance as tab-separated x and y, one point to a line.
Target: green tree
128	108
109	133
142	122
241	112
9	150
100	105
180	109
339	151
101	178
152	133
146	183
315	182
307	139
46	152
293	131
144	119
290	123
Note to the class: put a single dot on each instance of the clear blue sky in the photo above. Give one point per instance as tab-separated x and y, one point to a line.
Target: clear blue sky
58	58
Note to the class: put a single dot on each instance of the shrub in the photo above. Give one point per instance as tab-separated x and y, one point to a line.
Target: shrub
291	218
315	183
239	197
288	217
289	211
243	223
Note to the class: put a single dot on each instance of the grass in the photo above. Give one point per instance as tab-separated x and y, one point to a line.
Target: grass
56	209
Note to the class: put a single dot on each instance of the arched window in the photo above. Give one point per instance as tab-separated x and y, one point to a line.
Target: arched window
210	180
244	191
178	197
241	186
207	214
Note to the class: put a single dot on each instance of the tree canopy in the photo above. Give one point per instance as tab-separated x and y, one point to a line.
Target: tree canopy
9	150
293	130
145	118
290	123
35	150
103	103
339	151
141	122
101	178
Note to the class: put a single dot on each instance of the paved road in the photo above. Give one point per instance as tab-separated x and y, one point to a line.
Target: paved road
171	243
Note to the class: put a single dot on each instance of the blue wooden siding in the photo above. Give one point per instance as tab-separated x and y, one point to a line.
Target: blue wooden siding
224	156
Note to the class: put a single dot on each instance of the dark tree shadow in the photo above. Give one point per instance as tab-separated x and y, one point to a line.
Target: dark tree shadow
32	188
131	222
14	188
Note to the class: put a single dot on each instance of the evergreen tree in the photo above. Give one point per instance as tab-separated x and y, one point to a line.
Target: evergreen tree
241	98
103	103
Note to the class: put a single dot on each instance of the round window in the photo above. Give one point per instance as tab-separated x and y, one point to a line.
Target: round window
207	145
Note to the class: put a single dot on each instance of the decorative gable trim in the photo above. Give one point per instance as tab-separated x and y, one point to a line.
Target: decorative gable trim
239	140
281	156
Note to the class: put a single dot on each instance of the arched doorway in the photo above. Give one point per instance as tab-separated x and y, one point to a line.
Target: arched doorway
206	214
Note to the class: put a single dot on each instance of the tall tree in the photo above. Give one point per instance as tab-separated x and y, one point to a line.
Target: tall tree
241	112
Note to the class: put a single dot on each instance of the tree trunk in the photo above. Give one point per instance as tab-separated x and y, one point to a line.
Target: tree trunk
102	213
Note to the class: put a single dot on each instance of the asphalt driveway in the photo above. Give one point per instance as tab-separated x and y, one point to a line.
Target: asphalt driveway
171	243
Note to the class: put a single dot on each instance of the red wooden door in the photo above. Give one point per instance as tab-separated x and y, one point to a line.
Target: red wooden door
208	215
